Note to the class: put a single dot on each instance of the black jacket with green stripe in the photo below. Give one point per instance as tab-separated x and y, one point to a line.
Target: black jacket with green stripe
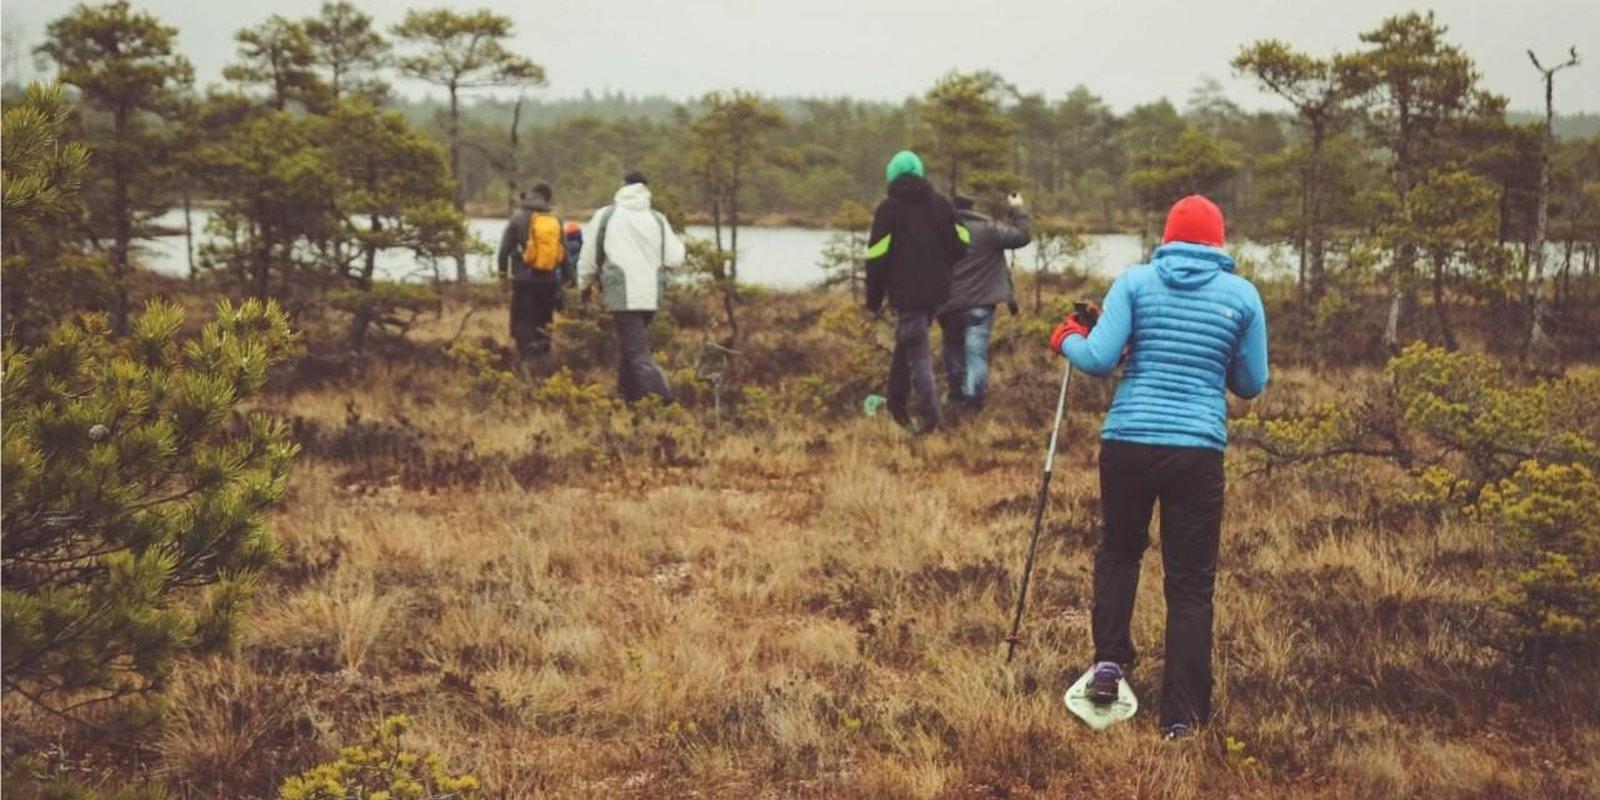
915	242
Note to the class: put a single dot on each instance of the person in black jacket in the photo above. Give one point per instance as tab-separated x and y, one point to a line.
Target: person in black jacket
980	282
915	243
535	294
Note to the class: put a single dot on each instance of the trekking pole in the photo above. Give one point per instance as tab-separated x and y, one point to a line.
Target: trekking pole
1038	513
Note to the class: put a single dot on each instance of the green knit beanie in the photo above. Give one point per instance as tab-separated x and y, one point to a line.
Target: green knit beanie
903	162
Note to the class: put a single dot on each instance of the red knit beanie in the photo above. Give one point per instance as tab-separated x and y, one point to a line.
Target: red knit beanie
1194	219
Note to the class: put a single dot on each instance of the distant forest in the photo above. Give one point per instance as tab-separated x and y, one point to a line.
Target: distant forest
1072	155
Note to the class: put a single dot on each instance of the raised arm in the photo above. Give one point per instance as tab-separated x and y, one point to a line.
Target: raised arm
1016	234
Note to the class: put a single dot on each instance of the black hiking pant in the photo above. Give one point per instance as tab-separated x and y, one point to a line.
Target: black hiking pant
911	369
637	371
1188	482
533	306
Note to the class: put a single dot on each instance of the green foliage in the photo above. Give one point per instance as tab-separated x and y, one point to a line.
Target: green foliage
276	188
1197	163
382	769
42	171
279	54
488	382
392	308
135	496
390	190
726	141
24	776
1520	458
45	278
842	261
120	59
586	404
1482	425
969	133
1548	516
462	50
345	45
1054	246
123	64
1452	417
313	200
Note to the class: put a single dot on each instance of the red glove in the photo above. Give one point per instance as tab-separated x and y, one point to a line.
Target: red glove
1079	322
1068	327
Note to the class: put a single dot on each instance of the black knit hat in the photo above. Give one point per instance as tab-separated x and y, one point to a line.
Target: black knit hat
634	176
543	190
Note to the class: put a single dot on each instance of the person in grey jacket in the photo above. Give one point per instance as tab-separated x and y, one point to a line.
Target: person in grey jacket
982	281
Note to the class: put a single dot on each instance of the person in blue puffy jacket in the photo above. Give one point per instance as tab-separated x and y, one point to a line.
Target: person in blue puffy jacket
1186	330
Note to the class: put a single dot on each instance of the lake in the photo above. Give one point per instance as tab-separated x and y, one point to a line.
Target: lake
778	258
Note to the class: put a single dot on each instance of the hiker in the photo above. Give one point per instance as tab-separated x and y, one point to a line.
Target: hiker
531	254
1185	328
915	242
980	282
629	245
572	237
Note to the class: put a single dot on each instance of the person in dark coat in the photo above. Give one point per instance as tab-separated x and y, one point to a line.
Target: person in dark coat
914	245
980	283
535	293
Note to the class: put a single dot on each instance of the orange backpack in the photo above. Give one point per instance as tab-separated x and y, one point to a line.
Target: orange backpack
544	250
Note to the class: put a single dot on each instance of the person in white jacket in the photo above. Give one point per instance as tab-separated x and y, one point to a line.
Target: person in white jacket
627	246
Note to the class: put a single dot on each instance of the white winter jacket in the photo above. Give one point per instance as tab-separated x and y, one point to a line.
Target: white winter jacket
638	245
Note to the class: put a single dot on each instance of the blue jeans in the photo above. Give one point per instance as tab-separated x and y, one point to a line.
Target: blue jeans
966	352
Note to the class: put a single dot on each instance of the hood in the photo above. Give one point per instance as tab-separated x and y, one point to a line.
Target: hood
634	196
972	216
910	188
1187	266
535	204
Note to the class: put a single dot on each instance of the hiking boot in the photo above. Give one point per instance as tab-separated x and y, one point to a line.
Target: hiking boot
1106	683
1176	731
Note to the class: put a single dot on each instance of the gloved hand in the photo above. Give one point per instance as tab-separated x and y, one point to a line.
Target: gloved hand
1079	322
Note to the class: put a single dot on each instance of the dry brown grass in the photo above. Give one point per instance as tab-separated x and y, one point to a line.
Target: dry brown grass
816	609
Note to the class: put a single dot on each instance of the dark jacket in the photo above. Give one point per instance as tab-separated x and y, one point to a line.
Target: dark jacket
915	242
983	278
515	238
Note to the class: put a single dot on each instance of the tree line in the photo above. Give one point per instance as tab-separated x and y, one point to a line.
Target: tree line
1388	165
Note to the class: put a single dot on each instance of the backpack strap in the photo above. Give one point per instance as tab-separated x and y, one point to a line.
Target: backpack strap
600	236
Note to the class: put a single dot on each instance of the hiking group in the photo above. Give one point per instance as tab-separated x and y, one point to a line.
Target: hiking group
1184	329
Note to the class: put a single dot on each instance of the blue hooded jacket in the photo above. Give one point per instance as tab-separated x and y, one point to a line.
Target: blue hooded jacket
1192	329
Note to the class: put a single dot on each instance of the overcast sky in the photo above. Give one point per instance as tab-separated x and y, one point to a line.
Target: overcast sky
1128	51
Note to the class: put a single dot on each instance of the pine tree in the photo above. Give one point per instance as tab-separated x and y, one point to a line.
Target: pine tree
459	52
44	278
123	63
134	497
